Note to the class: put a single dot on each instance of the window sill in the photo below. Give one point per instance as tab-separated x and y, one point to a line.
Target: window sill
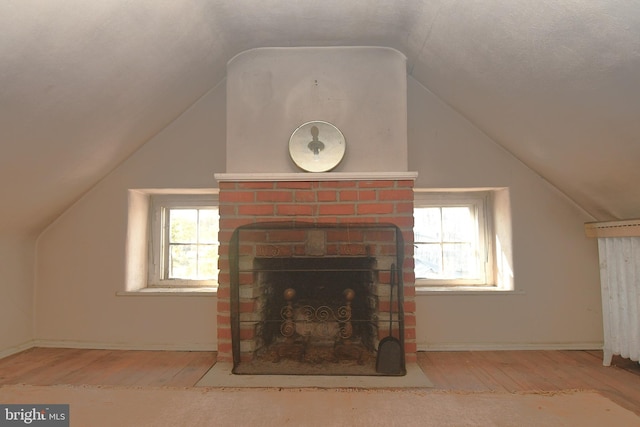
167	292
465	290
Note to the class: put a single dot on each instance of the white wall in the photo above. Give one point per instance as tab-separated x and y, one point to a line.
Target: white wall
16	292
81	256
361	90
557	303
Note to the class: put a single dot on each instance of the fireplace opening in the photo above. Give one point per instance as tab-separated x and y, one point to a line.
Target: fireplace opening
313	300
316	311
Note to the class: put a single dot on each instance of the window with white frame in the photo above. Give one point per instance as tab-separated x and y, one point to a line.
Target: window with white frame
184	241
452	239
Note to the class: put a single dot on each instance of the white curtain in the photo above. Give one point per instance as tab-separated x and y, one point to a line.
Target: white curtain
620	284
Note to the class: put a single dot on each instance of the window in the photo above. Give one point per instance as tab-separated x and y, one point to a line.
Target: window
452	239
184	241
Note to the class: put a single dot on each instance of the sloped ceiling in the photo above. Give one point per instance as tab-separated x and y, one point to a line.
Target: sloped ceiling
83	84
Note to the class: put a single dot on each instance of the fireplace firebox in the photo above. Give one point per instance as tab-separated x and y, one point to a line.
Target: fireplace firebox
313	299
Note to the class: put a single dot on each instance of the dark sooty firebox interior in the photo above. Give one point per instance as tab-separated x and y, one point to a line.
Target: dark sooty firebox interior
311	315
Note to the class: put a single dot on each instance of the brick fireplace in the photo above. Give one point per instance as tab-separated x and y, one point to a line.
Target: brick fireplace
337	227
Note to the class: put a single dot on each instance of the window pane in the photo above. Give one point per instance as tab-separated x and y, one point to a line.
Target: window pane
193	248
183	225
208	262
449	232
457	224
182	261
428	259
208	226
427	225
459	261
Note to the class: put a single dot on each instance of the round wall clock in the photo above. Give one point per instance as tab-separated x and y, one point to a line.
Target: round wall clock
317	146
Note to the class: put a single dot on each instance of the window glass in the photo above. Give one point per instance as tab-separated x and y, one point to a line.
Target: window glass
192	239
449	244
428	225
457	224
445	243
183	250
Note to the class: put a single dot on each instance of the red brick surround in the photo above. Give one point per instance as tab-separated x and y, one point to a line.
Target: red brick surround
245	200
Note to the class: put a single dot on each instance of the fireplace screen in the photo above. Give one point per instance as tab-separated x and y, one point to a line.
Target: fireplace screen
312	299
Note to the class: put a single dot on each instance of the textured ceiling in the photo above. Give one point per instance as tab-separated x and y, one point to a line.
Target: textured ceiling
84	84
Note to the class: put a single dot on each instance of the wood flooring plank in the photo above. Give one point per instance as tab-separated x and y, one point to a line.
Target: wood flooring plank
535	371
198	365
54	366
485	373
21	366
564	372
469	371
521	372
166	367
500	367
626	364
617	384
460	374
492	367
434	371
128	369
138	372
78	367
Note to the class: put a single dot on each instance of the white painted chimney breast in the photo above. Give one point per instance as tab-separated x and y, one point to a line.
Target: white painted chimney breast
361	90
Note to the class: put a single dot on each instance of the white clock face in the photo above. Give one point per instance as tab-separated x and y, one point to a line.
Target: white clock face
317	146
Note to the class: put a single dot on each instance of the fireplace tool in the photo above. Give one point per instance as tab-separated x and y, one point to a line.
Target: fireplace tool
390	353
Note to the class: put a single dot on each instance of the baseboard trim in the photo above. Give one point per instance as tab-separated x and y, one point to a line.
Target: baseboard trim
213	347
16	349
123	346
511	347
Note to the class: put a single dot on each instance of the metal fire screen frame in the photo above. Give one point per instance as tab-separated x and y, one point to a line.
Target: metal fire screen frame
234	270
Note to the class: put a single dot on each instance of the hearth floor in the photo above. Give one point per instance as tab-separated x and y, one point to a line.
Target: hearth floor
294	367
220	375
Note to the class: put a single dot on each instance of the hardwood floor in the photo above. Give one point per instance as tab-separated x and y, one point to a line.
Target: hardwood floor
463	371
47	366
534	371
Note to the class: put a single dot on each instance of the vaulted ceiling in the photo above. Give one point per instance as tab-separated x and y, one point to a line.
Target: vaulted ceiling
83	83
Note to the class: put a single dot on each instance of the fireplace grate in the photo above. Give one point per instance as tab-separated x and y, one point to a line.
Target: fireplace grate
312	299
